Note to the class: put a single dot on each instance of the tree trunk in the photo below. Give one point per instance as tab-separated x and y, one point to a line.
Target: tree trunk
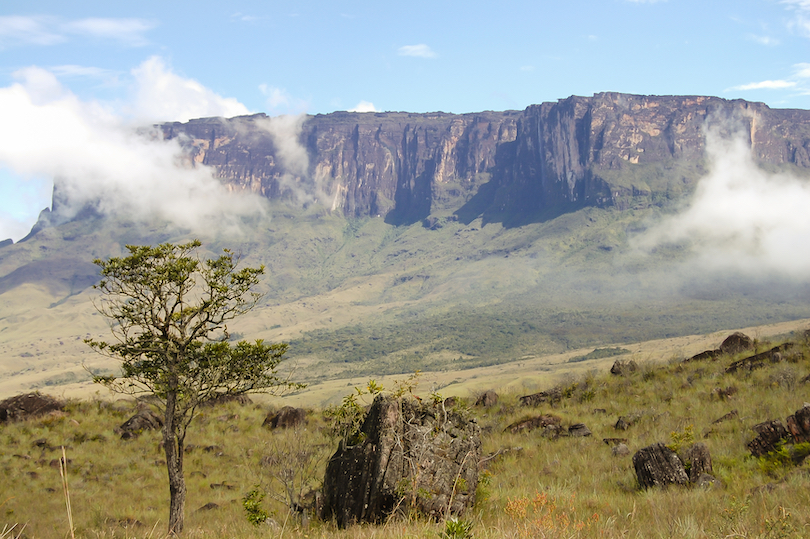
173	446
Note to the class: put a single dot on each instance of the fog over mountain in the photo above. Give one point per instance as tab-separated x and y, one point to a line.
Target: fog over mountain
396	241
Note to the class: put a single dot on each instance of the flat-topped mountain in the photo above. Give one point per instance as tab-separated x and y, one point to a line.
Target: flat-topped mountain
397	241
609	150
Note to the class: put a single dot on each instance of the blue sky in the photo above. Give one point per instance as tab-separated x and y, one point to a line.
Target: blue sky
68	69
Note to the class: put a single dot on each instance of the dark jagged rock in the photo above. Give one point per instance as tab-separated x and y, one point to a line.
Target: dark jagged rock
798	424
623	368
145	419
411	452
532	423
707	354
287	417
550	396
735	343
28	406
657	466
757	361
579	429
769	435
700	461
487	399
731	415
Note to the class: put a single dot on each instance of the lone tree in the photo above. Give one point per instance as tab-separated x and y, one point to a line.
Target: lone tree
168	312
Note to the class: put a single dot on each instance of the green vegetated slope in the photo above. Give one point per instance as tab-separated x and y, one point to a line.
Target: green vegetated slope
532	485
357	297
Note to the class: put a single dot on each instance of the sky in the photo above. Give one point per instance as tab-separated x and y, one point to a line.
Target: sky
76	78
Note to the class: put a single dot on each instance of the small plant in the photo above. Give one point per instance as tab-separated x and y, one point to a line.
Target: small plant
252	502
785	456
457	529
682	439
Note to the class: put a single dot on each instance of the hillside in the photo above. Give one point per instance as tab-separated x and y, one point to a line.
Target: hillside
534	482
398	241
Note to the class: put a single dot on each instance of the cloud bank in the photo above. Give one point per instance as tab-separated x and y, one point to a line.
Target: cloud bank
96	157
741	217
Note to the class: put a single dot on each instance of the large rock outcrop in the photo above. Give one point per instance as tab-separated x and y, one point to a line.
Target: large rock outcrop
411	455
607	150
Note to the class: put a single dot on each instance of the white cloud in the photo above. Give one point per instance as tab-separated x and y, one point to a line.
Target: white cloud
280	101
801	19
128	31
163	96
741	217
364	106
765	85
420	51
802	71
28	30
42	30
763	40
95	155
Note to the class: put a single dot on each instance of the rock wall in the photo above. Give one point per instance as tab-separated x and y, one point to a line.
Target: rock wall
607	150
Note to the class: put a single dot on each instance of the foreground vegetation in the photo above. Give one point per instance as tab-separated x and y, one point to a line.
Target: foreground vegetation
533	487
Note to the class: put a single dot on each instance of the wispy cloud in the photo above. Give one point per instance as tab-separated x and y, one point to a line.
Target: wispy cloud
242	17
764	85
28	30
420	51
45	30
127	31
364	106
801	18
763	40
279	100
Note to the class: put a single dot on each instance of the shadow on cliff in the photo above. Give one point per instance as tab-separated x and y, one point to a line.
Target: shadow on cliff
484	205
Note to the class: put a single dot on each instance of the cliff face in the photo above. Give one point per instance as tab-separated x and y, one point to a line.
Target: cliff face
607	150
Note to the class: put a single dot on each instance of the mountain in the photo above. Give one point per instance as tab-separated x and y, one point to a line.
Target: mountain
398	241
609	150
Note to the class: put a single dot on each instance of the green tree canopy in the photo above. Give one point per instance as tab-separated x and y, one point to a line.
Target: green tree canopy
168	311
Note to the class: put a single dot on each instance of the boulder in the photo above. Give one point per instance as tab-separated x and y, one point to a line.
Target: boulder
487	399
27	406
287	417
551	396
706	354
224	398
735	343
769	435
658	466
757	361
412	456
145	419
579	429
798	424
532	423
700	461
623	368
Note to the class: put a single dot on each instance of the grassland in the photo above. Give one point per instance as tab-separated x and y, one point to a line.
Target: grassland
569	487
359	297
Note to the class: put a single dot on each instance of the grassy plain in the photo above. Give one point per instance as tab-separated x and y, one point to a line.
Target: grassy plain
359	298
569	487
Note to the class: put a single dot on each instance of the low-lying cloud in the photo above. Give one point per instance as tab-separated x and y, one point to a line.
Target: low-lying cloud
94	153
741	217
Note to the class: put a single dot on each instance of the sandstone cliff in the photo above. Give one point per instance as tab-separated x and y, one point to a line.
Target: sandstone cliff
515	166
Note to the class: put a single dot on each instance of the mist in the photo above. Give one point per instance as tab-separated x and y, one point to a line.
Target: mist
741	218
95	155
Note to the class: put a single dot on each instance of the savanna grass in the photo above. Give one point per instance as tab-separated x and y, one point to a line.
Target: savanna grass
542	487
